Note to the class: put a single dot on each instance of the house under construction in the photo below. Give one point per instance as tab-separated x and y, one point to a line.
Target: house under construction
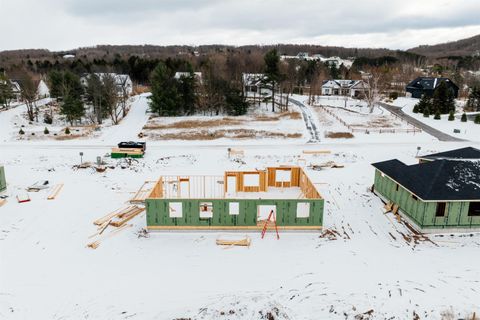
238	200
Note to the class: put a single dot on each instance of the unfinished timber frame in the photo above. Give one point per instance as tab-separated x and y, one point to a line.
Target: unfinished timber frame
236	200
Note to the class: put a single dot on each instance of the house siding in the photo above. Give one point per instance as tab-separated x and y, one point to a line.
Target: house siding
423	213
158	213
3	182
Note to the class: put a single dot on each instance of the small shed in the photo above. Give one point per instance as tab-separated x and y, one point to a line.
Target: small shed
3	181
435	195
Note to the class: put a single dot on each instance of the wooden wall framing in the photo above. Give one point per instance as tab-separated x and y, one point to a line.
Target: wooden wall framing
215	187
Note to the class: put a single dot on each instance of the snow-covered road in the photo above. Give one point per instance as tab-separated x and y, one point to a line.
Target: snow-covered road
310	121
129	128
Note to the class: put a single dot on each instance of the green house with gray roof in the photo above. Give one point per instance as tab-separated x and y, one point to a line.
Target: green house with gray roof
441	193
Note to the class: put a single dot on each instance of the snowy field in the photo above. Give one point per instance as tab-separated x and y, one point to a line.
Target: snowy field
369	267
338	114
468	130
258	124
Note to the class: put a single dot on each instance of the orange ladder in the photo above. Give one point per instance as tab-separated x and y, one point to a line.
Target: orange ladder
265	226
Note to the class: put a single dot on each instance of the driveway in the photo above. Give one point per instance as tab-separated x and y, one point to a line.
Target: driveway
430	130
309	119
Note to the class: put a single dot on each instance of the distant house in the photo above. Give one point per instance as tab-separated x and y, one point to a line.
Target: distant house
254	83
442	192
123	81
197	75
351	88
427	85
42	90
16	90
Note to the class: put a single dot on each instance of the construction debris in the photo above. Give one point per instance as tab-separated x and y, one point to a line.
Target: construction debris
39	185
95	244
328	164
24	197
55	191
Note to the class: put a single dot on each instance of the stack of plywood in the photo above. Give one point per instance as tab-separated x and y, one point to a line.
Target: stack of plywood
127	153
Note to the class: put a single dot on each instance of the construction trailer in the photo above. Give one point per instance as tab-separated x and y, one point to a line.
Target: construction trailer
434	195
3	181
238	200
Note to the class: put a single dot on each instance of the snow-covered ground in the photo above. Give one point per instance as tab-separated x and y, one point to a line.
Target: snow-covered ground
468	130
341	114
46	272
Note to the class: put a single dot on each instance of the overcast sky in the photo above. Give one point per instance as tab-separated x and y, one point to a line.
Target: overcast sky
396	24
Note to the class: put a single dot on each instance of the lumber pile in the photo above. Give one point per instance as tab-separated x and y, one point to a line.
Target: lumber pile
316	152
127	153
55	191
235	153
241	242
119	217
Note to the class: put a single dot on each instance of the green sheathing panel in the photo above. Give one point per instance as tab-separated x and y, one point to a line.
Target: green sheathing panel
125	155
3	182
158	213
423	213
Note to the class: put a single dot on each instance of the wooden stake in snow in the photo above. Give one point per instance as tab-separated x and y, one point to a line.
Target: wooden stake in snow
55	191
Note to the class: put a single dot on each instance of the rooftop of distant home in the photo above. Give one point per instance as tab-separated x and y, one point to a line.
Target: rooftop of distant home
468	153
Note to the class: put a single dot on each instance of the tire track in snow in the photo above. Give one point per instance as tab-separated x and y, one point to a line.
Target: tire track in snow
309	121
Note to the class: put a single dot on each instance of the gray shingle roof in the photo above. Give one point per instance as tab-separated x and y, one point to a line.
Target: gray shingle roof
441	180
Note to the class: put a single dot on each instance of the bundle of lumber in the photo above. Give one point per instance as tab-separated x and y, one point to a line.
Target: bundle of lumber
127	153
316	152
234	242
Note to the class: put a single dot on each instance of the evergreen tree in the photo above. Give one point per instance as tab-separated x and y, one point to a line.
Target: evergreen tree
437	115
426	112
443	100
464	117
272	72
424	103
72	107
186	90
477	119
165	99
236	103
473	103
6	92
451	116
